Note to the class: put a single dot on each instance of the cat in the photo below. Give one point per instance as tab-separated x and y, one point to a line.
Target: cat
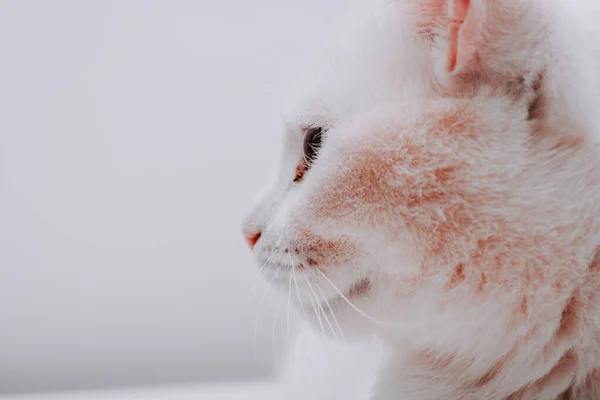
437	205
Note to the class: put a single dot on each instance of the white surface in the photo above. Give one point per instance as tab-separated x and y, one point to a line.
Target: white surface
225	391
134	134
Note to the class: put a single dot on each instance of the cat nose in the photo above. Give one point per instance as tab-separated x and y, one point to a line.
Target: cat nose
252	238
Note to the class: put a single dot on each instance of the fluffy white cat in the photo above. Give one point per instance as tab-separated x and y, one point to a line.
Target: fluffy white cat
437	205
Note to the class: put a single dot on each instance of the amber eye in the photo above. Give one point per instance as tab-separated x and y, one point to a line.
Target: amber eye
312	143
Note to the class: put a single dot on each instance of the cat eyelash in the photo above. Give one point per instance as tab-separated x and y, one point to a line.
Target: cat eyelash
311	144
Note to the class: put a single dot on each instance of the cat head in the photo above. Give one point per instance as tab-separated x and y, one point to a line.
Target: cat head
407	144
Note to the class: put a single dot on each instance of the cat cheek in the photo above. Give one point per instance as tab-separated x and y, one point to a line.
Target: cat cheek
322	250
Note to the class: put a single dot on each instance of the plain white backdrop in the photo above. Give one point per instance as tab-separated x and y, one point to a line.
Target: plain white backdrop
133	137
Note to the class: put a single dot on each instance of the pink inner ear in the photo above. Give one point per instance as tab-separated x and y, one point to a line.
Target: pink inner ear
460	23
461	7
453	30
461	32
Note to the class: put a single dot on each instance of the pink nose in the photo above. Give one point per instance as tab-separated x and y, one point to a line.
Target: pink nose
252	238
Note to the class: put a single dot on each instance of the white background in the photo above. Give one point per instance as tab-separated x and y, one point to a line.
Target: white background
133	137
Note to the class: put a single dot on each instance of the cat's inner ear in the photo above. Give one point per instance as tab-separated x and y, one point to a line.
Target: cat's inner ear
462	30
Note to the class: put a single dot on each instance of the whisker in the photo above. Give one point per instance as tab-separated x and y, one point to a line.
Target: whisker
312	303
260	270
275	318
404	324
332	313
297	289
355	308
322	310
260	306
289	302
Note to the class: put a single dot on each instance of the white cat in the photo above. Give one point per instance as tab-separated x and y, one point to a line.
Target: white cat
438	205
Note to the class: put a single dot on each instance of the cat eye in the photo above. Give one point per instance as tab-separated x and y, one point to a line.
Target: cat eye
313	137
312	143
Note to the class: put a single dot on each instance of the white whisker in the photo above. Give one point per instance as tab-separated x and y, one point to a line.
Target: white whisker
289	302
332	313
260	271
260	305
296	284
322	310
312	303
355	308
273	333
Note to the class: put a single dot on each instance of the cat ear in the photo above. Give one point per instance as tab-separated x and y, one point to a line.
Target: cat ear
479	34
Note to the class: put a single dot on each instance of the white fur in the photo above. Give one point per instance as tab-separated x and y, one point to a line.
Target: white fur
318	367
375	74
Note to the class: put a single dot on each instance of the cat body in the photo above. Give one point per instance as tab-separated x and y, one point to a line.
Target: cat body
437	204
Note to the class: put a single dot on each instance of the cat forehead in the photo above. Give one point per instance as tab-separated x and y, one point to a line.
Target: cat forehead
375	58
